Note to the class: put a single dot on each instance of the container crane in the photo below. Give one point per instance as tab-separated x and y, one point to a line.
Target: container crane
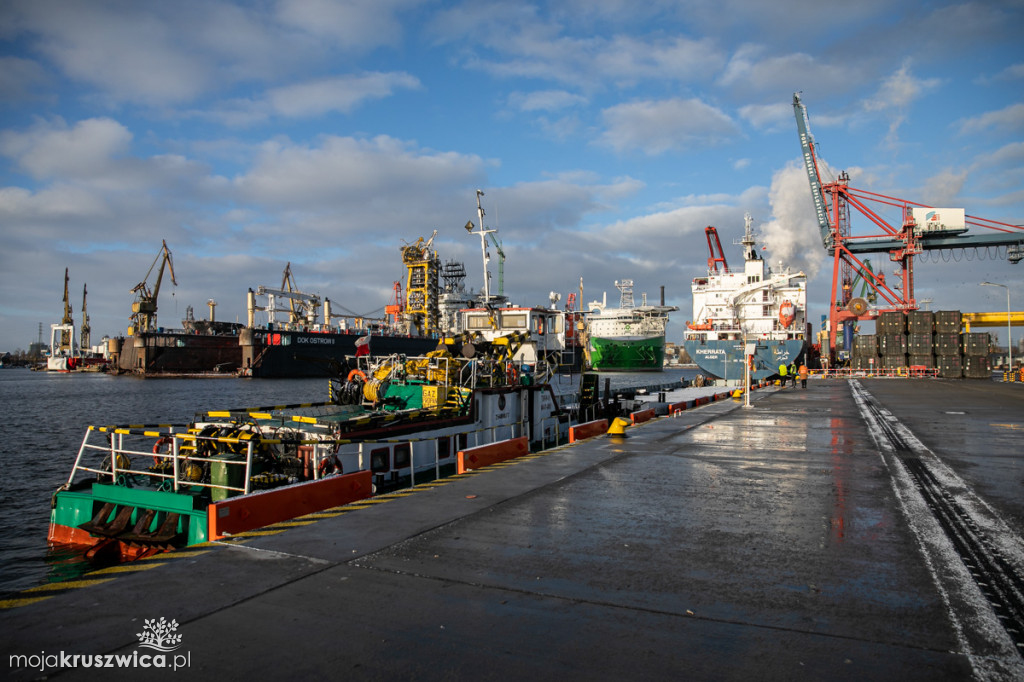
144	308
922	228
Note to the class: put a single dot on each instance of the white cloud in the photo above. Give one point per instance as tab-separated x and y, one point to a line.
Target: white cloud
752	70
657	126
792	235
1008	119
545	100
773	117
350	25
341	93
52	150
896	94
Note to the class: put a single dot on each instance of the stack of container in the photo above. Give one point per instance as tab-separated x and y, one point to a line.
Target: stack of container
976	347
890	329
920	328
947	344
865	352
922	338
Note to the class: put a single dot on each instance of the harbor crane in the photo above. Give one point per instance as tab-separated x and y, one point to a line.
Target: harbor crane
922	228
66	322
144	308
86	331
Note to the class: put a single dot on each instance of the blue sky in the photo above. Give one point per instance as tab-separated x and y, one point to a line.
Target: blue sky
606	135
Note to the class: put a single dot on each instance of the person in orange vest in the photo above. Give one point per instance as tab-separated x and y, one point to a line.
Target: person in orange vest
803	376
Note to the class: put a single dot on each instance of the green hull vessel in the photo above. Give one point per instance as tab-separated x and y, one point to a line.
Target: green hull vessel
627	355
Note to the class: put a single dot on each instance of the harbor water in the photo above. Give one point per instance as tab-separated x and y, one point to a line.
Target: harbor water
45	417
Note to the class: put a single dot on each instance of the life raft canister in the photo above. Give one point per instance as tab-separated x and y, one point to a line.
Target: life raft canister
787	312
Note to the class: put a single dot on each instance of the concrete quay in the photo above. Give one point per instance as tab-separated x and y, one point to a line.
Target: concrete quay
787	540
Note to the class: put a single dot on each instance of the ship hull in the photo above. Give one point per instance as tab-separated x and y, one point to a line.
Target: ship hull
296	354
627	354
723	359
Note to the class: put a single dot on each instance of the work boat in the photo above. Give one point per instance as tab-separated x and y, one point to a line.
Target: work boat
394	421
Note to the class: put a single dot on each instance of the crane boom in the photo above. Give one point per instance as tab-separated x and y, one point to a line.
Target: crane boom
144	308
811	164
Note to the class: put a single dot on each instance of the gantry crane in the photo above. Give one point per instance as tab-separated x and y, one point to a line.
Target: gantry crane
922	228
144	308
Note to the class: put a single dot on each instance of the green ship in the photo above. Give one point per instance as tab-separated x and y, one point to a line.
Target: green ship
629	338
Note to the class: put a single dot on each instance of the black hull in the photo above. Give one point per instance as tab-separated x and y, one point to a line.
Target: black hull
269	354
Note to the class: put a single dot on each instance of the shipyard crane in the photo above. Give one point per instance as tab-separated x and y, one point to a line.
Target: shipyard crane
66	322
144	308
922	228
86	341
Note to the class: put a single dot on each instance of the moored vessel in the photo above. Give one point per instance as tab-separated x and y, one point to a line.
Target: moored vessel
137	490
756	310
628	338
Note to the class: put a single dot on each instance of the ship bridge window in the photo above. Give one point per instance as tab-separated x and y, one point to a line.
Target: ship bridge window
513	321
402	456
477	322
380	460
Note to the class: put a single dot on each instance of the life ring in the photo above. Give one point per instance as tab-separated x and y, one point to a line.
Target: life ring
162	441
329	465
357	373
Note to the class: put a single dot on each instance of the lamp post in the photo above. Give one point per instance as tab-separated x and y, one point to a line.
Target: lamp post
1009	339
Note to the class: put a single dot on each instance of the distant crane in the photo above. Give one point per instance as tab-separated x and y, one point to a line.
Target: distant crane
144	308
86	342
922	228
67	323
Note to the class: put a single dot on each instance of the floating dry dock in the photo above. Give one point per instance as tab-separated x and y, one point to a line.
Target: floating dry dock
805	537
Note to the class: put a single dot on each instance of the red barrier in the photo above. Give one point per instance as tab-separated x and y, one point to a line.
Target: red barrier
642	416
239	514
485	455
588	430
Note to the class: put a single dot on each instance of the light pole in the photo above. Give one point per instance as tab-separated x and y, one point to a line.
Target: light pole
1009	339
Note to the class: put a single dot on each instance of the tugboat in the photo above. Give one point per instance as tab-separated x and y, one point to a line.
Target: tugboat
755	305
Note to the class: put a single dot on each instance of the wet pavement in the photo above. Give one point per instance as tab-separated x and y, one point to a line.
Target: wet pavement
779	541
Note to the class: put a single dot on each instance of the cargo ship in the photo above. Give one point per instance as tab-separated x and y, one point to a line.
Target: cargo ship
629	338
756	309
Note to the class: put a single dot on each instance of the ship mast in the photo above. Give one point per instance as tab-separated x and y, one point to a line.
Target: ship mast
483	232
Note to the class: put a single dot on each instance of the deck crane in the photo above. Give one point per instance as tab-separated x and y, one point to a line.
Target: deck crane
922	228
715	247
144	308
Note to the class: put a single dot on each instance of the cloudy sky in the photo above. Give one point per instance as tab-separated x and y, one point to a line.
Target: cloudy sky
606	134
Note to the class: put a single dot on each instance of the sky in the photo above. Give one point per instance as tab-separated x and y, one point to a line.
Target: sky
605	135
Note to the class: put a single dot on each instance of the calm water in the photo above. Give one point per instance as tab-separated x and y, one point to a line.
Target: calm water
44	418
